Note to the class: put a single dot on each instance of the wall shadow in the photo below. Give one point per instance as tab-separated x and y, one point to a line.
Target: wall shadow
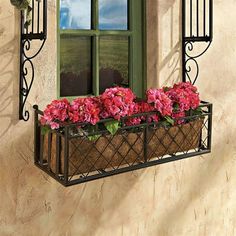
164	43
9	73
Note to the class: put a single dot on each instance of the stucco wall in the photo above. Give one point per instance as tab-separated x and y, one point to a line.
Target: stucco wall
189	197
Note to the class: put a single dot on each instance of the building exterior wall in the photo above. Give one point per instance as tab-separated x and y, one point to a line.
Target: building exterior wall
190	197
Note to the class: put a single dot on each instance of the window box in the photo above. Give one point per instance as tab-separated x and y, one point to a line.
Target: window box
71	158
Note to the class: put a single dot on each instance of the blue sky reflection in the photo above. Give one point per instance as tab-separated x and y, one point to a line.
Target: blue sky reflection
76	14
113	14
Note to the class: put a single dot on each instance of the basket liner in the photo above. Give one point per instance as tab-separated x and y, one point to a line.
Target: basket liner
125	148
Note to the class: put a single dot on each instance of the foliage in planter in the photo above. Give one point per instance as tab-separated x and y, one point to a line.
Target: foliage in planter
118	127
23	5
168	105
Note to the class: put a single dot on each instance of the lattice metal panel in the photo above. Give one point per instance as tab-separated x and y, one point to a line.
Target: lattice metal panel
71	158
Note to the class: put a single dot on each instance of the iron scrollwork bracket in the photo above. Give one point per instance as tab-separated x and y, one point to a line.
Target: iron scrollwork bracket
36	31
191	67
197	30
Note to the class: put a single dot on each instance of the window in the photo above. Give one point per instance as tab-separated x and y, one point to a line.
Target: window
100	45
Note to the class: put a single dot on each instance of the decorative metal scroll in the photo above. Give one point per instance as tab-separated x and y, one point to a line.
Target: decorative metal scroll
36	30
197	29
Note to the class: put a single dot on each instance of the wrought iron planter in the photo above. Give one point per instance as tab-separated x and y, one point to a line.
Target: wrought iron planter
71	158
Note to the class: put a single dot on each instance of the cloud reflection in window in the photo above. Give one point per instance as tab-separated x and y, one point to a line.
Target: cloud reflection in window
113	14
75	14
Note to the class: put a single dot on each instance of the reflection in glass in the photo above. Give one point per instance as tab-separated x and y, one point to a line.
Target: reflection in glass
75	65
113	14
114	61
75	14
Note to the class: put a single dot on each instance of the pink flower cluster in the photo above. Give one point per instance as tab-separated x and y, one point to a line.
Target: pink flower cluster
120	102
160	101
57	110
185	96
85	110
142	107
117	102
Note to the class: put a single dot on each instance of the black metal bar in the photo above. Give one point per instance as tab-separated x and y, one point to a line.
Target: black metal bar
35	36
38	17
145	143
49	149
45	18
204	17
198	39
41	149
66	155
211	20
183	40
209	138
197	18
191	18
21	67
32	23
36	134
58	154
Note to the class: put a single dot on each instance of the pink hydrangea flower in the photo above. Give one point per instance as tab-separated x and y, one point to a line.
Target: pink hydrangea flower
56	111
85	110
185	96
54	125
160	101
177	115
117	102
142	107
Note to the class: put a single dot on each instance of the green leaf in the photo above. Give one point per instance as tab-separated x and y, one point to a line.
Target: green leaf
197	111
45	130
112	126
165	124
169	120
176	107
166	89
94	137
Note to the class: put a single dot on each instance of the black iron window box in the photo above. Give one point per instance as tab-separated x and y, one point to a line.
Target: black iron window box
70	157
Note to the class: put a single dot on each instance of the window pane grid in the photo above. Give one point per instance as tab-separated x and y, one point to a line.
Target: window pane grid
114	61
96	34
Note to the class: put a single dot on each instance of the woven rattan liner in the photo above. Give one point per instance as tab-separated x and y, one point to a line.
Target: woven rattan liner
85	156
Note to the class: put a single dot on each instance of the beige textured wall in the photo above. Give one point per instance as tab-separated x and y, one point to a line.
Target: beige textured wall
189	197
163	42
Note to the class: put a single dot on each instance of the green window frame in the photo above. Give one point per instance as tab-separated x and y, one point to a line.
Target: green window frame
136	33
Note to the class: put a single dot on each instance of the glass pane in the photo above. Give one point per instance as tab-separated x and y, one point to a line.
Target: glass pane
75	65
113	14
114	61
75	14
